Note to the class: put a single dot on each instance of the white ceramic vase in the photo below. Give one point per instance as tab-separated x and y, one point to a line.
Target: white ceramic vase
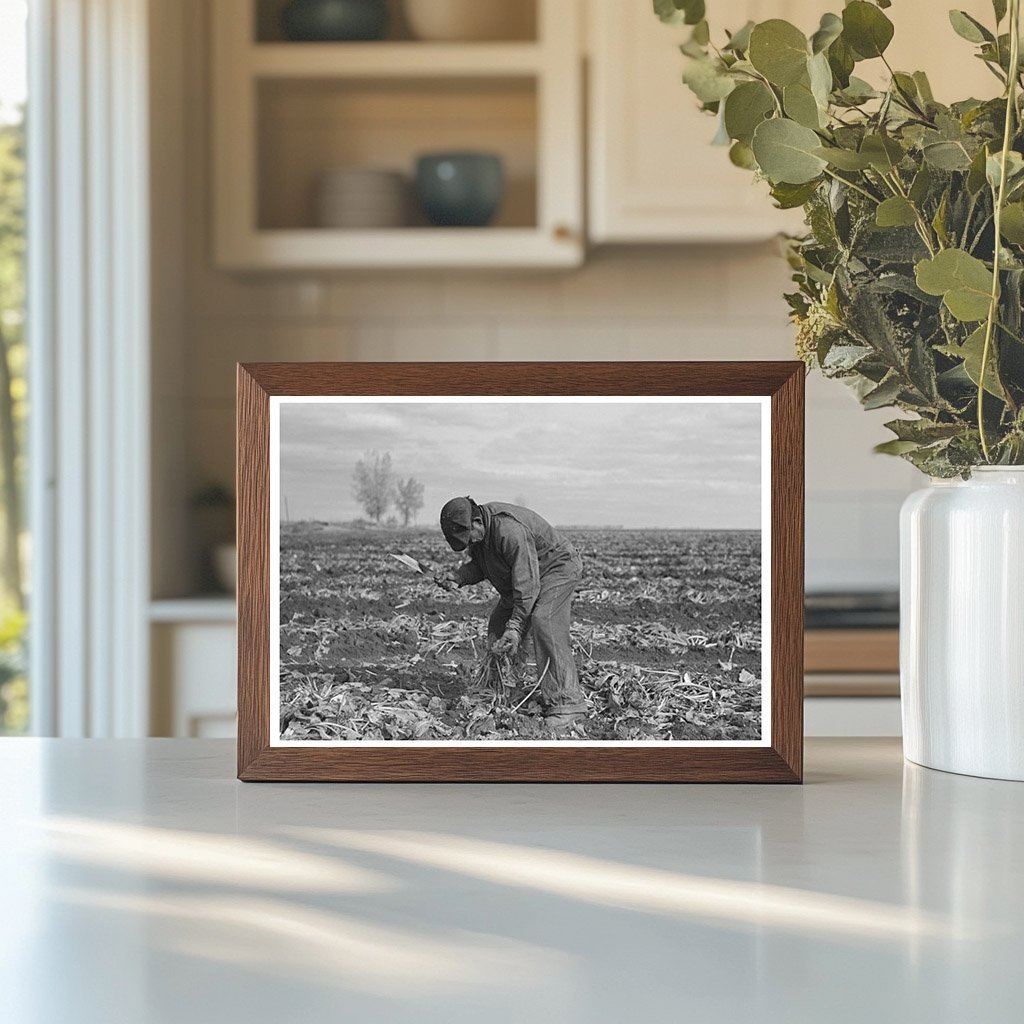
962	624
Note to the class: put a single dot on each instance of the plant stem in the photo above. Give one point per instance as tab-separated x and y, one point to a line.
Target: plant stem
993	309
768	85
856	188
969	218
981	231
922	225
908	101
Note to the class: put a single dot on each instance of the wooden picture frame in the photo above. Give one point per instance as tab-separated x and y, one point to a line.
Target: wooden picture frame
779	758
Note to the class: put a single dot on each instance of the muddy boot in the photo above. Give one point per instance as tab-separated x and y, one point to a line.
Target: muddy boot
564	716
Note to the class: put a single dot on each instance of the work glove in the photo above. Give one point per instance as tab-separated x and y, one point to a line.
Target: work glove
447	579
507	644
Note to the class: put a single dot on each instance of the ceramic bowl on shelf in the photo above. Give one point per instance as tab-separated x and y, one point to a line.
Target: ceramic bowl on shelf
460	189
361	198
471	20
332	21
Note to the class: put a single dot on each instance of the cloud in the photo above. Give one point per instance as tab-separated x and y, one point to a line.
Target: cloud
670	465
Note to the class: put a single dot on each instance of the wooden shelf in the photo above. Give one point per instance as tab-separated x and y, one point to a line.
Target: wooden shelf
393	60
401	247
206	608
851	684
852	650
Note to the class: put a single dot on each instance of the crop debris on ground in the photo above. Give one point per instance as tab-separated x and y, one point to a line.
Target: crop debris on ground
666	632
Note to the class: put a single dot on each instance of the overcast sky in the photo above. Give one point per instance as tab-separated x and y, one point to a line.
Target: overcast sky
670	465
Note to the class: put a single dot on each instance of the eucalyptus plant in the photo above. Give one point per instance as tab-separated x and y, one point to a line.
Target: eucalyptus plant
909	280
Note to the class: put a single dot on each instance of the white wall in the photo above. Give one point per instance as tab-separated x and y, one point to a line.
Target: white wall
656	303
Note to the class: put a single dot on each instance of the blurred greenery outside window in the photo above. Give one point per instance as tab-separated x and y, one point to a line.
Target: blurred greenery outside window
14	549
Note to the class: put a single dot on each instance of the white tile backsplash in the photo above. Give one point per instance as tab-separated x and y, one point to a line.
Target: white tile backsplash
717	302
414	297
646	285
506	298
578	340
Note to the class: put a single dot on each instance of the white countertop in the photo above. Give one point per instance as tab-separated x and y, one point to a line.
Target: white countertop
143	885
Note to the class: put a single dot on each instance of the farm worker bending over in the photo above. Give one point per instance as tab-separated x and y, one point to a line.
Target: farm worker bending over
535	572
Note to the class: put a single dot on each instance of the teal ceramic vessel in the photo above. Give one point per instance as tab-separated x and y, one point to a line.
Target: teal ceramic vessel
334	21
461	190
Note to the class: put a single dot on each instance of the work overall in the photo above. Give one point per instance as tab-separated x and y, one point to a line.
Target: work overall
536	573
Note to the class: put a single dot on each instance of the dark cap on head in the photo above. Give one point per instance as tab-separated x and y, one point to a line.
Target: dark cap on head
456	521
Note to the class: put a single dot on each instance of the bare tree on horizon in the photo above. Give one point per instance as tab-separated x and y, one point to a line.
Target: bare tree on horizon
373	483
409	499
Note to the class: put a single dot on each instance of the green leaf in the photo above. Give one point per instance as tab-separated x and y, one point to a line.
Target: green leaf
667	11
691	48
675	12
946	156
844	159
821	220
1014	169
906	89
866	29
789	197
969	28
697	45
739	41
887	393
967	304
963	281
820	76
976	173
741	155
997	53
971	352
883	153
939	220
745	108
785	152
896	447
708	80
830	29
1012	225
923	431
921	369
921	185
778	50
857	91
800	105
896	212
695	11
841	60
924	87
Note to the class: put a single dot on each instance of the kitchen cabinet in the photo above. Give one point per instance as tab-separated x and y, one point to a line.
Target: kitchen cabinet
287	113
653	175
193	670
852	682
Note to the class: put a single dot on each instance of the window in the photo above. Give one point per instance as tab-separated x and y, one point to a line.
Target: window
14	548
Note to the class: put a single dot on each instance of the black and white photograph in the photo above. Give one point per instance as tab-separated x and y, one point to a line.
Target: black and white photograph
520	570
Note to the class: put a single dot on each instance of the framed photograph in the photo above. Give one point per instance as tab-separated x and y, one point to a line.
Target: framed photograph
513	572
